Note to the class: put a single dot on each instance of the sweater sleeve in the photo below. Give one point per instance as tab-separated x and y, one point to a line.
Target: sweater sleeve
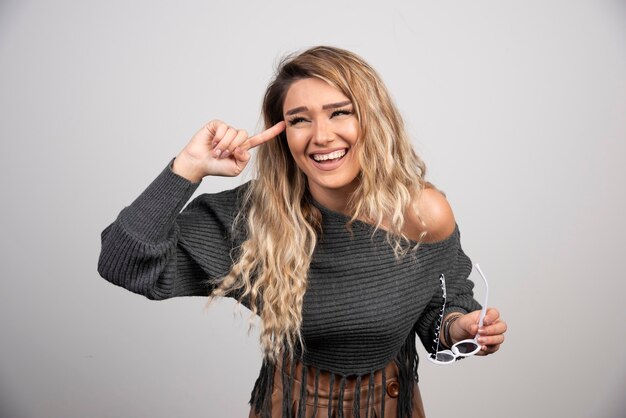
155	250
459	292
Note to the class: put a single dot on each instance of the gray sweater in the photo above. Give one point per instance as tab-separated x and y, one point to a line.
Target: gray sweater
362	308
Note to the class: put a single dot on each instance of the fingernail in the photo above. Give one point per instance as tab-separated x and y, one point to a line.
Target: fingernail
217	152
481	340
225	154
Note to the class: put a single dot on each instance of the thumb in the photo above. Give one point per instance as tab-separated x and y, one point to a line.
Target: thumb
469	322
241	155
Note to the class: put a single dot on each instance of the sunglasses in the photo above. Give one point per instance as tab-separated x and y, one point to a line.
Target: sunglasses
463	348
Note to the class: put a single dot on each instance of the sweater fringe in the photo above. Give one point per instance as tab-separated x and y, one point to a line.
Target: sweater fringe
406	361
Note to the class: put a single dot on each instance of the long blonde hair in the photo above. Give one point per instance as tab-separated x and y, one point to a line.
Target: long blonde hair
282	224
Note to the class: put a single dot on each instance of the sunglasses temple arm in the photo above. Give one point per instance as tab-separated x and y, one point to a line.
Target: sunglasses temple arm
483	312
443	308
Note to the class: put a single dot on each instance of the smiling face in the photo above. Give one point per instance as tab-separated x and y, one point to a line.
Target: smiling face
322	134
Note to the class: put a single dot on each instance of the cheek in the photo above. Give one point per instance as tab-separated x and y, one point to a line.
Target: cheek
296	149
357	152
350	132
295	144
356	165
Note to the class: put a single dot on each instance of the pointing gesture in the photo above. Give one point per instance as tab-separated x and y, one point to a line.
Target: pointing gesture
265	136
219	150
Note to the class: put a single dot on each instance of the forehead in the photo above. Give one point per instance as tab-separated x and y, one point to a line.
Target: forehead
312	93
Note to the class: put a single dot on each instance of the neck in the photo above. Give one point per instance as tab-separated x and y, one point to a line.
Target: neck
333	199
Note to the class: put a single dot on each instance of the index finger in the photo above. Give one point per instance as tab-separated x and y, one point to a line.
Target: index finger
264	136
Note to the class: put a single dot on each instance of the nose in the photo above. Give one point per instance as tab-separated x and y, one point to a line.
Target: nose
322	132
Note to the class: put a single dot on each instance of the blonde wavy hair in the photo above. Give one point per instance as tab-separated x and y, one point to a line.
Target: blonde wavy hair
282	224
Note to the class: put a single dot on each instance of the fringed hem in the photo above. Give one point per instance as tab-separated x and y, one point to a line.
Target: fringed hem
406	362
260	399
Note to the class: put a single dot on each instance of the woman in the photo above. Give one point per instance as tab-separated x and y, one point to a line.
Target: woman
338	244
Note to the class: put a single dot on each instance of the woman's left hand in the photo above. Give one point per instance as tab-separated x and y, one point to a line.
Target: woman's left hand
490	336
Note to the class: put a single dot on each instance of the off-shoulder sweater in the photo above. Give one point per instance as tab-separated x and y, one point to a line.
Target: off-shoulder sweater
363	307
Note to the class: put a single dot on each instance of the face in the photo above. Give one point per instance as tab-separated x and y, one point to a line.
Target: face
322	132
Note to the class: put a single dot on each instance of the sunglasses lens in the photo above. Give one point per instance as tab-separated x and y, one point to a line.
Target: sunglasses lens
445	357
466	347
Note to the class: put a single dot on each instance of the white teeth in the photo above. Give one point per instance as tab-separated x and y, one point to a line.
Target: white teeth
329	156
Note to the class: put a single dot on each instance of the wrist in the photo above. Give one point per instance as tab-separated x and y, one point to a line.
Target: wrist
446	336
187	167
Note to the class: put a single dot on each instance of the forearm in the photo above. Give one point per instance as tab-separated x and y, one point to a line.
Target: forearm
150	217
140	248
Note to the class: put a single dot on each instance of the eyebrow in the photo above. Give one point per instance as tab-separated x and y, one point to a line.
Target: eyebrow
326	106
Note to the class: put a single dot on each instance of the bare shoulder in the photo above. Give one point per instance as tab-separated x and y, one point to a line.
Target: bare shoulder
432	215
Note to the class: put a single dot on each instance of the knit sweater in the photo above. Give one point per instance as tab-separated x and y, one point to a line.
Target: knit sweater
363	306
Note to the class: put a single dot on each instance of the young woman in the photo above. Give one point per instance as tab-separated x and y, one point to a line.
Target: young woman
339	244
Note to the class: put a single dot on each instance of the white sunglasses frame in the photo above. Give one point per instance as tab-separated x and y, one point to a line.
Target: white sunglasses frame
454	353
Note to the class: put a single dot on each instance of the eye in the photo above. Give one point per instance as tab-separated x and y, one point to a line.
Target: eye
340	112
296	120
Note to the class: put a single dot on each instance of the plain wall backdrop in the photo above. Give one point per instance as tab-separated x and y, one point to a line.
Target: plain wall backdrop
517	107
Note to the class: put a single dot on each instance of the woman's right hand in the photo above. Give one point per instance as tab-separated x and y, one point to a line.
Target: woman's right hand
219	150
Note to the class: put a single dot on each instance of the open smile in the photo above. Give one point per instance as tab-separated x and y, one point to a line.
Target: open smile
329	160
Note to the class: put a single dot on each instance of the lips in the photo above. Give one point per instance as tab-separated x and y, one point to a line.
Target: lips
329	159
329	156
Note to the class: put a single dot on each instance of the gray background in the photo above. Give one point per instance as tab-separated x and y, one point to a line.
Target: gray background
517	107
